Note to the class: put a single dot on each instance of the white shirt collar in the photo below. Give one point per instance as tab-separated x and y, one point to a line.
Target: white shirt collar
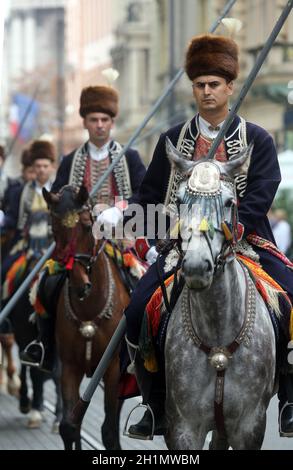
205	128
38	187
98	153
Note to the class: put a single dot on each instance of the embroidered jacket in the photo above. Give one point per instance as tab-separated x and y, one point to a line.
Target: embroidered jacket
256	187
127	174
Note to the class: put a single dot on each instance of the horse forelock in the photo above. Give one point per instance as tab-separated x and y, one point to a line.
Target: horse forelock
67	201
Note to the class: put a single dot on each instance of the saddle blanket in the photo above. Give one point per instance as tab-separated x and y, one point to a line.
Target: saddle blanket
274	296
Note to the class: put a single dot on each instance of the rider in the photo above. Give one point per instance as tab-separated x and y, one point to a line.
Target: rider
27	212
86	165
212	66
26	207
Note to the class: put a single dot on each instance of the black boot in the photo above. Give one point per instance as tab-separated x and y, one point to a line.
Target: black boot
144	428
41	352
152	387
286	405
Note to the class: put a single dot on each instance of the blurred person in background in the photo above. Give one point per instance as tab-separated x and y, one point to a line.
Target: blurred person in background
281	229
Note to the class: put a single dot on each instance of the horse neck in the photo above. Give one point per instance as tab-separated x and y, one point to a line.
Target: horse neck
219	312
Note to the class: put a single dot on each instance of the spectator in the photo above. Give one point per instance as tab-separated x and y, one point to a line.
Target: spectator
281	230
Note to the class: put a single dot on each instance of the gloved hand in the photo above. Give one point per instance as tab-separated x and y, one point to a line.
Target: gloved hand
2	216
151	255
110	217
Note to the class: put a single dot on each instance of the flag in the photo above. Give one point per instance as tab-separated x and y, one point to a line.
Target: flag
24	111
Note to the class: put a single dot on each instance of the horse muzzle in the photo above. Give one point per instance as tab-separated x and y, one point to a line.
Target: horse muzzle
197	276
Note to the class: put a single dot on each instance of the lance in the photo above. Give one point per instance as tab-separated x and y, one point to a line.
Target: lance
250	79
26	283
83	403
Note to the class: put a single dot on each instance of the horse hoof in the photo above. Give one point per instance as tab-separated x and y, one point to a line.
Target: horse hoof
55	427
13	385
35	420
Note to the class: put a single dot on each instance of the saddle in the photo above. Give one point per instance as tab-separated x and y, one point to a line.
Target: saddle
130	268
46	289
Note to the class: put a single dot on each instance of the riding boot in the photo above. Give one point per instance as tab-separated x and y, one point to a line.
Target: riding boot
152	388
285	395
41	352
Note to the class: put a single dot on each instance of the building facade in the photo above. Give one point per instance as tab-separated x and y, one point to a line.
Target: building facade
150	49
54	48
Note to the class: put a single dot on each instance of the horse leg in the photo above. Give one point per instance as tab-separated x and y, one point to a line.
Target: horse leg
37	378
218	442
180	435
110	426
58	407
249	434
70	381
13	382
24	400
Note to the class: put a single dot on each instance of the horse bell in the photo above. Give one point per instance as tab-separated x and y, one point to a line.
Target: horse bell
219	361
88	329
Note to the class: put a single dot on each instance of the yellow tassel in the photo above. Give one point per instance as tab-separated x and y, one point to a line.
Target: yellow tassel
227	232
50	264
175	230
151	364
204	225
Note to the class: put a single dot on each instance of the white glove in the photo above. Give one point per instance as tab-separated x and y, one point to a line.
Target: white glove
2	216
110	217
151	255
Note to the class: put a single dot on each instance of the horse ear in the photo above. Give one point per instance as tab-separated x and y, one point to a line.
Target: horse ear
82	196
239	163
49	197
175	157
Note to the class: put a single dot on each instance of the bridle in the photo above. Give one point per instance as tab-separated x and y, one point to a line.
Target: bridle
205	200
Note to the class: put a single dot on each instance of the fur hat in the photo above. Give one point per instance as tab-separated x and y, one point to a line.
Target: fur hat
98	99
212	55
42	149
26	158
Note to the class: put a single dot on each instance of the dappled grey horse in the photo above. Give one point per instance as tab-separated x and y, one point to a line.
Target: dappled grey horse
220	345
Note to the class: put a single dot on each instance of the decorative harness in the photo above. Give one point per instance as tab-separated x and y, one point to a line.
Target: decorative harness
86	328
202	186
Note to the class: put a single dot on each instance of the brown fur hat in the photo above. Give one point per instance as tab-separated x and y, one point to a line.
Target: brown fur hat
212	55
26	158
42	149
98	99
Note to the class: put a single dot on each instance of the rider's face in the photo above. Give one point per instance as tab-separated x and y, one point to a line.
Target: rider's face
211	93
98	126
43	169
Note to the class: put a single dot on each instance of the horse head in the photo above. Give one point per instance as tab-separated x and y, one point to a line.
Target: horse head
71	225
208	215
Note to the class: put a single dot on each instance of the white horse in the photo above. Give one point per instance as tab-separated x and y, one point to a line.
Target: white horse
220	345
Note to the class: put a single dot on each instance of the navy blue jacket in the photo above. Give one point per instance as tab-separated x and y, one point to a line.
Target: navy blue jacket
136	171
263	178
12	200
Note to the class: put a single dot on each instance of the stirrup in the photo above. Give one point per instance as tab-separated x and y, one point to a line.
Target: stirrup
27	362
282	433
126	432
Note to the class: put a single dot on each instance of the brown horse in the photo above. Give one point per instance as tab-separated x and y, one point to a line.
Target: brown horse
89	309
